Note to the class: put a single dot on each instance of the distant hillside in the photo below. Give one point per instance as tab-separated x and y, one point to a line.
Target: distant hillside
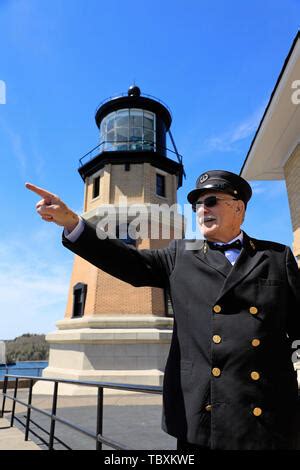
27	347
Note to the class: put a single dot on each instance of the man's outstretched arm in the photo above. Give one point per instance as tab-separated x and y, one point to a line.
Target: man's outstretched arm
138	267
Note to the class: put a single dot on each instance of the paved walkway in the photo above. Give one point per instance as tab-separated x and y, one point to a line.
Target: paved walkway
13	438
132	419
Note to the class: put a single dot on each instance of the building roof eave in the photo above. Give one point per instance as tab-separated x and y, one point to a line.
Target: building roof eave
278	132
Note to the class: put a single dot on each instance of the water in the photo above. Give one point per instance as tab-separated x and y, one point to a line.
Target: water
33	368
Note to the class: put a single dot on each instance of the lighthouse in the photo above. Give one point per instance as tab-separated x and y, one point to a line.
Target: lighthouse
113	331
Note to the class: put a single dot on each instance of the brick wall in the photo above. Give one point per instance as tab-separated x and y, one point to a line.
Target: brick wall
107	295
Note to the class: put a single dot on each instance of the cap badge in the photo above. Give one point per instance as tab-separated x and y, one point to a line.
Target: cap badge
203	178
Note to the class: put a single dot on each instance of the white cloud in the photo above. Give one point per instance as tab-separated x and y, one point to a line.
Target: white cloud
225	142
34	281
269	189
258	187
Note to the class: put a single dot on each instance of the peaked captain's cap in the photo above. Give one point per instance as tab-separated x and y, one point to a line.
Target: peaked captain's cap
221	180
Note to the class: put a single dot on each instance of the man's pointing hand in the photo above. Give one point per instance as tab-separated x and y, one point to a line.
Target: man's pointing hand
52	209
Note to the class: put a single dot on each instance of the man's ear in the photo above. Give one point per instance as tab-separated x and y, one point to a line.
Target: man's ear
240	206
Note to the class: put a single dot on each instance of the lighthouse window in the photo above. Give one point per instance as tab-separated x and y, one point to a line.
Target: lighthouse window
122	134
136	118
136	133
110	124
128	129
160	185
148	120
110	137
96	187
122	118
79	296
148	137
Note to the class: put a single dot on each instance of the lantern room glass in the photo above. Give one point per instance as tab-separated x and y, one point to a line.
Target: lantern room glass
128	129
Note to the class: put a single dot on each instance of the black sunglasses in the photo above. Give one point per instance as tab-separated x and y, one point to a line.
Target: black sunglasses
211	201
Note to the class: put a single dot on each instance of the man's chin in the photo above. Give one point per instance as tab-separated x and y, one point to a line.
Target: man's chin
208	231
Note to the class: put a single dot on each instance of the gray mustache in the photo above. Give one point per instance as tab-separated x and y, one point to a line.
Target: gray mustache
206	219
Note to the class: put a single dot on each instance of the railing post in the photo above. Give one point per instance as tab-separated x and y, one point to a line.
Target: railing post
14	403
4	395
28	410
99	417
53	413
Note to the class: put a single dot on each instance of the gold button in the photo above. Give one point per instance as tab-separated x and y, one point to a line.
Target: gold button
257	411
217	339
208	407
255	342
216	372
253	310
217	309
255	375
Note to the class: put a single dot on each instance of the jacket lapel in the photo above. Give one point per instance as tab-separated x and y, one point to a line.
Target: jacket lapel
213	258
248	259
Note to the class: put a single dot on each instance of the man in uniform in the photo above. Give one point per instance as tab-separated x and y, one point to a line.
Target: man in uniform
229	381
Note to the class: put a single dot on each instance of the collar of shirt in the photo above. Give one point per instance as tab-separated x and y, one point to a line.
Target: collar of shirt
232	255
239	237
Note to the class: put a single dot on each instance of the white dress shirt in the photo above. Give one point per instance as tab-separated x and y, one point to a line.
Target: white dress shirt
232	255
76	232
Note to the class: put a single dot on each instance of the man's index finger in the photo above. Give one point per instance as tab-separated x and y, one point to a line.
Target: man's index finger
40	191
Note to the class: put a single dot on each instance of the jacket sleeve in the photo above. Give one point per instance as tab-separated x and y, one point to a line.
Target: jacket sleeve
137	267
293	275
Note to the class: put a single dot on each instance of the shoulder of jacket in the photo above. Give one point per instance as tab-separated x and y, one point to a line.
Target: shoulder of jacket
268	245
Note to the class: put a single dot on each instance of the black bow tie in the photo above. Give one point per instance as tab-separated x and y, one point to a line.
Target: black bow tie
237	245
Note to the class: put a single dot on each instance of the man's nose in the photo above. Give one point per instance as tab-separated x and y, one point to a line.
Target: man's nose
203	210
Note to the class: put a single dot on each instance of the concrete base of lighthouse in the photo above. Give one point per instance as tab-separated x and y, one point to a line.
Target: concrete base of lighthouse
119	349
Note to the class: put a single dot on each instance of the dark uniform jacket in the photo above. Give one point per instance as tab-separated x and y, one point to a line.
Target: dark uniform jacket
229	380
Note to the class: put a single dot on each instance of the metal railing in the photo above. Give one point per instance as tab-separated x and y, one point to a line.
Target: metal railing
97	436
114	146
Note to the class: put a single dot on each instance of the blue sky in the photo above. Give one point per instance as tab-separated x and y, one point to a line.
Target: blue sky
215	64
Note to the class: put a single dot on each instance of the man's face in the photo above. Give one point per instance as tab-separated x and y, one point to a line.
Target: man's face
221	222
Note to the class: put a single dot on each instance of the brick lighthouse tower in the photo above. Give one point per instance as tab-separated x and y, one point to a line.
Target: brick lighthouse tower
113	331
